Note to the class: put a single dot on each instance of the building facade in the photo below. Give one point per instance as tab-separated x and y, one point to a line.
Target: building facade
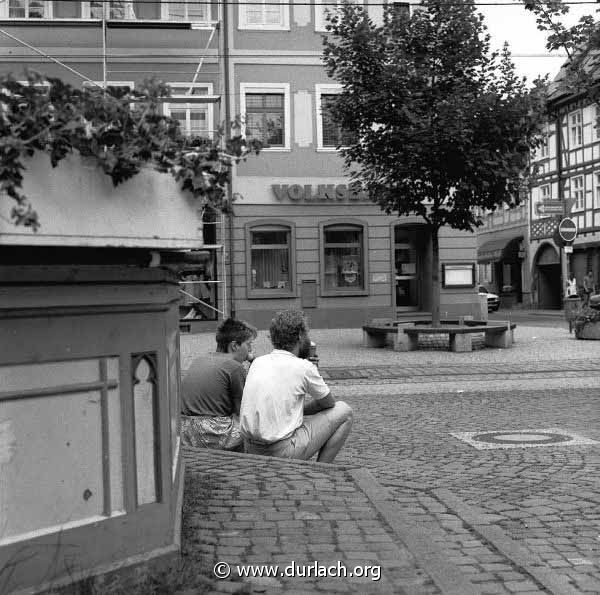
301	235
503	256
567	185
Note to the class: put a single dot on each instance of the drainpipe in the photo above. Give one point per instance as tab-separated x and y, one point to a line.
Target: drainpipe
227	132
564	259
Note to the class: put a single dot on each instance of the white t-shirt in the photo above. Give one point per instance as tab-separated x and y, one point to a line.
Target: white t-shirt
273	399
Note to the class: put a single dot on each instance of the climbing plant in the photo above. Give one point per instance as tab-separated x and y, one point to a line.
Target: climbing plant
123	131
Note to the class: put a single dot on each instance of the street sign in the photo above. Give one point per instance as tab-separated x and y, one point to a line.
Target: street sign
567	229
544	209
550	206
568	249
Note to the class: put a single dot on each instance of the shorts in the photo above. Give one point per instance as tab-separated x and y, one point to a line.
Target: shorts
206	431
306	440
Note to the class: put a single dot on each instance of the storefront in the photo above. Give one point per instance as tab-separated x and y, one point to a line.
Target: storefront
501	258
327	249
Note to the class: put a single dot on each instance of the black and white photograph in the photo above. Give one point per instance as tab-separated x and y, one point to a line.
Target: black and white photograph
299	297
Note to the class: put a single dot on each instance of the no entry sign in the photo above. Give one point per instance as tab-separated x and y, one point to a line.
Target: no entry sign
567	229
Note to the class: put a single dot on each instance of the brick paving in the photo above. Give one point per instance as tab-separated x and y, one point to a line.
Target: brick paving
453	519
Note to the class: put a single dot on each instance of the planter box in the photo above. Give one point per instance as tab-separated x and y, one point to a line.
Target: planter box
78	205
590	330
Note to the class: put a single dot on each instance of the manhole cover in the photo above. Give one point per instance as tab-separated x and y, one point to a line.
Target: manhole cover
518	438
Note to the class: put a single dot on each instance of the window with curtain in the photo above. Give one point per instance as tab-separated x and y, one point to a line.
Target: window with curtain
344	258
265	117
187	11
263	14
28	9
270	258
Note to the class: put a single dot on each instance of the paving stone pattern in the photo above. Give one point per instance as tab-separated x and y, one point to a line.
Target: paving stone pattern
244	509
444	516
545	499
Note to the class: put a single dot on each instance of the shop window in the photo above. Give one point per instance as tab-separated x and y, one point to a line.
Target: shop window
269	260
264	14
575	129
195	119
343	259
266	114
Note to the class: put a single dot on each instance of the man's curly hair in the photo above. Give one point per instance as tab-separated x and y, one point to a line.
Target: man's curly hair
286	329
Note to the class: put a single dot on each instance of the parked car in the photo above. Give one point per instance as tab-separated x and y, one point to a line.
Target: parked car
493	301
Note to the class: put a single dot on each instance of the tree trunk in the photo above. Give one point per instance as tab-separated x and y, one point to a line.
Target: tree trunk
435	277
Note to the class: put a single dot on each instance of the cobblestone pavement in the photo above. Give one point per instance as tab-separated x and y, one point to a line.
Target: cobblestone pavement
498	514
457	519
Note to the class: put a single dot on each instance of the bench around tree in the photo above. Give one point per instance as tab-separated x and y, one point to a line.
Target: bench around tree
405	337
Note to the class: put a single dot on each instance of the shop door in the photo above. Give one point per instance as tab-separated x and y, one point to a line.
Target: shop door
407	263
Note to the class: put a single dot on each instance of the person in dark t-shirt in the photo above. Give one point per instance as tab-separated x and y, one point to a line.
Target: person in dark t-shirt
212	390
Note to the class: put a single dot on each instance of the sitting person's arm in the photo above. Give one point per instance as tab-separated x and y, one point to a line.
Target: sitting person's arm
315	405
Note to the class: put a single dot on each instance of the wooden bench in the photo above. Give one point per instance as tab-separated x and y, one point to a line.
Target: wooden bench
405	337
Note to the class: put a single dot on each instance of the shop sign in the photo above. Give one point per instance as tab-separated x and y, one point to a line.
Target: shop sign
319	193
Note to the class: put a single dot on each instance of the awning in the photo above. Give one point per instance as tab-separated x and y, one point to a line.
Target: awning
499	249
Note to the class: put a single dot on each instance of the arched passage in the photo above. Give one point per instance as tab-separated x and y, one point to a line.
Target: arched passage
546	277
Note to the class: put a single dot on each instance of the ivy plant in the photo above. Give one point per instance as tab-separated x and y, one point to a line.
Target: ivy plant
122	131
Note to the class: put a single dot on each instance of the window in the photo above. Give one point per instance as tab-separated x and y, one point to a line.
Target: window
195	119
400	9
264	14
269	256
29	9
116	9
575	129
117	88
597	188
322	7
544	149
329	134
266	114
578	193
343	259
186	11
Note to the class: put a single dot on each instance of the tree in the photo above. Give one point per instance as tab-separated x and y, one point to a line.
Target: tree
443	128
48	115
580	42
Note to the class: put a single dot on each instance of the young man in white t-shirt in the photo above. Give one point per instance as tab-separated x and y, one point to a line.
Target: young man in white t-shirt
287	409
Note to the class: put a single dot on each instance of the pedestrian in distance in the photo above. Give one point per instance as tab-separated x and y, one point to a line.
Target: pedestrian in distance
287	409
588	287
212	390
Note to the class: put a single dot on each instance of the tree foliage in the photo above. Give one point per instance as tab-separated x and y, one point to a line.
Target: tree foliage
443	128
442	124
122	131
580	42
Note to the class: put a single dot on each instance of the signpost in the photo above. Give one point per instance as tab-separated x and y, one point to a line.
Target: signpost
567	229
